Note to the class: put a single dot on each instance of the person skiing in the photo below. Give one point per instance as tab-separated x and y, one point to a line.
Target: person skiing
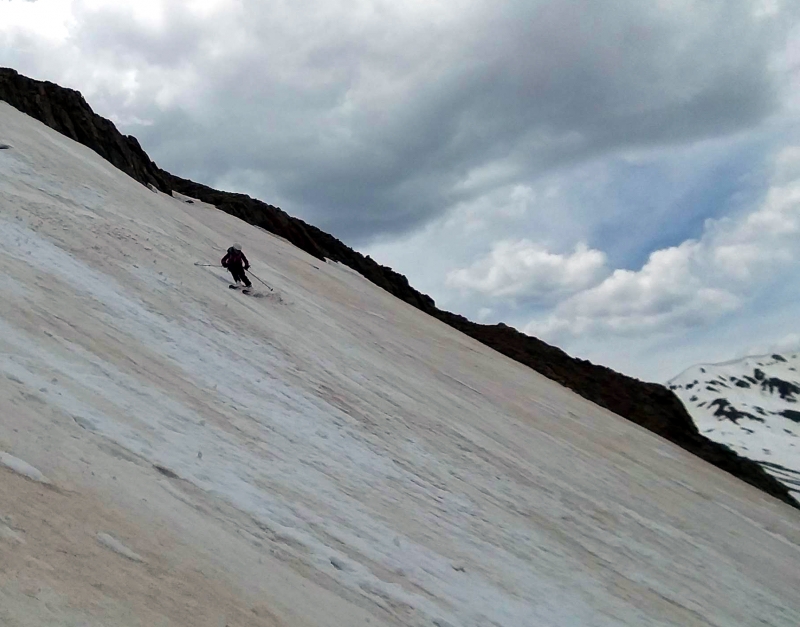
237	263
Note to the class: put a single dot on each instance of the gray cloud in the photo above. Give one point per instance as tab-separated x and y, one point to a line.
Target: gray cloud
369	122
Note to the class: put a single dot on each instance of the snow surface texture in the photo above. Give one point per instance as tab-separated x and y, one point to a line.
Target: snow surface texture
753	406
22	468
115	545
327	455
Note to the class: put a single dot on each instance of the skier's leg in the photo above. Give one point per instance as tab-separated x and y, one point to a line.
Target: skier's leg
240	276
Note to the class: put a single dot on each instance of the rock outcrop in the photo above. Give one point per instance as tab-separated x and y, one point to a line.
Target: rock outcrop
647	404
66	111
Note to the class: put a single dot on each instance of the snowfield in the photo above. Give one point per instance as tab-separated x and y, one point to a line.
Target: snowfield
750	405
320	454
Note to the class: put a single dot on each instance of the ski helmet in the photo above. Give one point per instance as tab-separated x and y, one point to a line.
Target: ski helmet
237	247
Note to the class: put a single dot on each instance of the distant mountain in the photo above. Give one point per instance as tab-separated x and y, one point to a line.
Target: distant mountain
753	406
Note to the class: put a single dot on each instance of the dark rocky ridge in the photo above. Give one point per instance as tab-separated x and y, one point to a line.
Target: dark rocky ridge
647	404
66	111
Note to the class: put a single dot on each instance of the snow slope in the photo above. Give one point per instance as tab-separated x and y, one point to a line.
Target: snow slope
751	405
323	454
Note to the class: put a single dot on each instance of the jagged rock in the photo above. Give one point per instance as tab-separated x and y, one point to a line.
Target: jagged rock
648	404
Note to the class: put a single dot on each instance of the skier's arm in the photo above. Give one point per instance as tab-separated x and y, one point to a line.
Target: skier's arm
246	263
224	261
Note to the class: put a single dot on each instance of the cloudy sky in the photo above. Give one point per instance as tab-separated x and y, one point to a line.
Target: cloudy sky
619	178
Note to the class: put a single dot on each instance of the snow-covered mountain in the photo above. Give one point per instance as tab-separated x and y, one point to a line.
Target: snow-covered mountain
320	454
753	406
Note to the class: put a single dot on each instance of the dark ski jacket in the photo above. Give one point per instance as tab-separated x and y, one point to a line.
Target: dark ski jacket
235	258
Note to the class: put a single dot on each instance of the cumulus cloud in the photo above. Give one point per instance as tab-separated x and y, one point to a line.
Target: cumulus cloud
698	281
527	271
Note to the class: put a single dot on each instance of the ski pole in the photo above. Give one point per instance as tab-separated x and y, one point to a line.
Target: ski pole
255	277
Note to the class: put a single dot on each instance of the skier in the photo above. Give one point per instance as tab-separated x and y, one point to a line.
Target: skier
237	263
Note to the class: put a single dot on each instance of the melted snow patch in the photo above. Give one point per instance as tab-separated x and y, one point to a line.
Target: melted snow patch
110	542
22	468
